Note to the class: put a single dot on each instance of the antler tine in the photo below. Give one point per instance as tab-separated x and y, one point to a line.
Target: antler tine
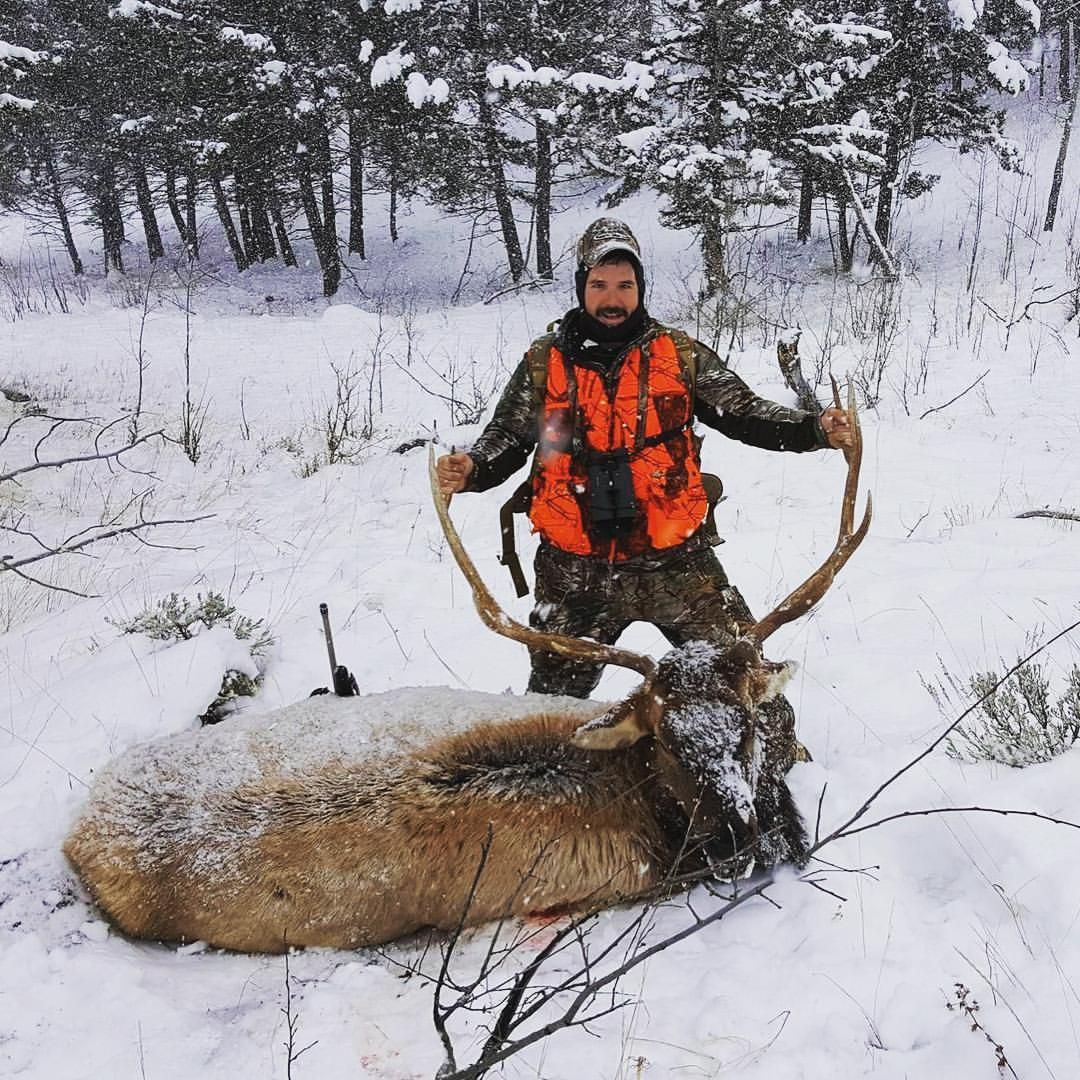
852	455
815	586
496	619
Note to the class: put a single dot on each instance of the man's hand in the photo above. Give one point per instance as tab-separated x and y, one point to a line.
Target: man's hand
453	471
834	423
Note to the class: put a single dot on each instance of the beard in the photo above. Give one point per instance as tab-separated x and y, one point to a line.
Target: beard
630	324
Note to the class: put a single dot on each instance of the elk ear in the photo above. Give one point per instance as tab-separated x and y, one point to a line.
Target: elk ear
769	679
623	724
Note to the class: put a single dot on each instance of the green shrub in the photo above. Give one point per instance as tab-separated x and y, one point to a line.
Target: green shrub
178	618
1020	723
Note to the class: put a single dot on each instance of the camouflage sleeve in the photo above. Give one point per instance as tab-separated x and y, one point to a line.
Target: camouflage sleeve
724	402
505	444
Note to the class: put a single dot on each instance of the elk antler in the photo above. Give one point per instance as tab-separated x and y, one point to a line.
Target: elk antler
814	587
496	619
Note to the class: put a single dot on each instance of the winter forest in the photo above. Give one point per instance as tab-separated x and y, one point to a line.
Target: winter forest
257	261
141	111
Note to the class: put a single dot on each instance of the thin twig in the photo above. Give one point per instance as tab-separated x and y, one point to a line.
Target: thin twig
1025	313
292	1023
439	1014
455	675
938	408
77	459
46	584
44	416
935	810
530	283
928	750
9	563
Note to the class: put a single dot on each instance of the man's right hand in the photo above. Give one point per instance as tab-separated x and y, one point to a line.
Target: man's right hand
453	471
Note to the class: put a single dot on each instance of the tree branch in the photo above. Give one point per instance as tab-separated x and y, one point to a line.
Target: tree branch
934	810
927	751
8	562
1057	515
938	408
108	455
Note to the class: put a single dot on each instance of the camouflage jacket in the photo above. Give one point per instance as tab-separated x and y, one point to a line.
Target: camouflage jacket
721	401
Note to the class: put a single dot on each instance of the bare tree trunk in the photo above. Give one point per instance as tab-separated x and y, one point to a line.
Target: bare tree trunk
787	355
494	161
356	184
284	246
882	226
56	193
879	252
172	200
544	266
844	241
154	247
110	216
501	191
261	231
713	255
190	195
325	241
393	199
329	211
1059	165
307	197
1065	60
244	217
225	216
806	205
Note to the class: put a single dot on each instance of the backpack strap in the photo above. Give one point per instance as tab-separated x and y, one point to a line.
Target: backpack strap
518	503
687	353
536	361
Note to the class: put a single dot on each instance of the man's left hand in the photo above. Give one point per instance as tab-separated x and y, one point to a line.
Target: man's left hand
837	428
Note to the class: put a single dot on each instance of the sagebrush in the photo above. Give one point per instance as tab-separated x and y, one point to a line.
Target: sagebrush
1021	722
179	618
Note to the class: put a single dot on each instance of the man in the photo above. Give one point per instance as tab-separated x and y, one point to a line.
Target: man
616	489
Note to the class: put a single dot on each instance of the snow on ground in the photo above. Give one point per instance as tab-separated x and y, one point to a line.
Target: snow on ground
846	981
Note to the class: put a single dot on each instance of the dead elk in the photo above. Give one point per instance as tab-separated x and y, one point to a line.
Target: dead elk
353	821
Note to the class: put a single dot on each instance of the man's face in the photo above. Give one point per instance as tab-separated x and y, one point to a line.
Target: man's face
611	292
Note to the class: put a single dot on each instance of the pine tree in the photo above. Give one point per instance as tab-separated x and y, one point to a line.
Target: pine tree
932	85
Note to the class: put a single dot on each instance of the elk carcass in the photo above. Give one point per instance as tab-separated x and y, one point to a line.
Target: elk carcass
353	821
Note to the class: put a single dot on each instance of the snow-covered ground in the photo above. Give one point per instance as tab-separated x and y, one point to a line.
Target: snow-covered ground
850	980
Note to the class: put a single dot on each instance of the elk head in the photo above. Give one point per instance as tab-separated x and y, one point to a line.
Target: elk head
699	704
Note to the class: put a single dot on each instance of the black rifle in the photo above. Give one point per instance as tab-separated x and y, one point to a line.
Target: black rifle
343	680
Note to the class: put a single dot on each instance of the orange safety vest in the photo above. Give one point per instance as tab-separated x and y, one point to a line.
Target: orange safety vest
649	417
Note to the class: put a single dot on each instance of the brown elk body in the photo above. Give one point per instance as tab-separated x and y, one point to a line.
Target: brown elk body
354	821
348	822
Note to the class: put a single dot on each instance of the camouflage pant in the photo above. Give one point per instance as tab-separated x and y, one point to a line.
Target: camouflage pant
687	597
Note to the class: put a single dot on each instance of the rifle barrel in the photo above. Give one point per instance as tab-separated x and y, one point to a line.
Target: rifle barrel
325	613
